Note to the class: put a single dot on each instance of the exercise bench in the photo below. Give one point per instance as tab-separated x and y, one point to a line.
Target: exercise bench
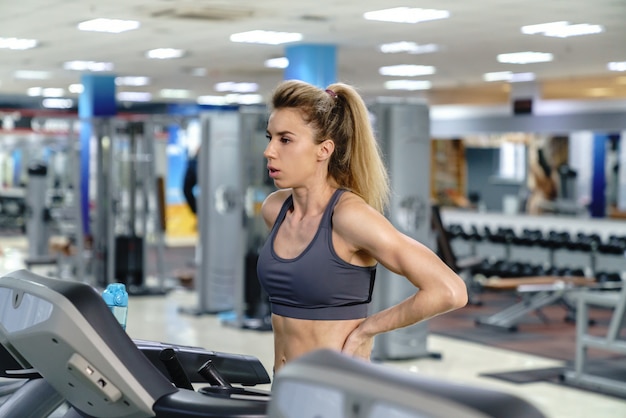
613	341
536	292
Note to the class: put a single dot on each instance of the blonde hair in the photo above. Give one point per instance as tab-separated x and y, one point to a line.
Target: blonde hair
339	113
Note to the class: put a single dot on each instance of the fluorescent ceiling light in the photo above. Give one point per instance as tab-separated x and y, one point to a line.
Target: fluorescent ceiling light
406	70
164	53
616	66
498	76
237	87
212	100
527	57
31	75
266	37
45	92
508	76
132	81
17	43
76	88
406	15
134	96
244	99
543	27
408	47
521	77
57	103
562	29
230	99
281	62
88	66
34	91
407	85
174	93
108	25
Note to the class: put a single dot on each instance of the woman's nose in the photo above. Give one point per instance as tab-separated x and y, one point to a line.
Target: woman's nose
268	150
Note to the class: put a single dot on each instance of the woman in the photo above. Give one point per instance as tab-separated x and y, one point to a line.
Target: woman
328	232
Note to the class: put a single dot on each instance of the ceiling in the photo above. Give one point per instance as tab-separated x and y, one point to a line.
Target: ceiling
470	39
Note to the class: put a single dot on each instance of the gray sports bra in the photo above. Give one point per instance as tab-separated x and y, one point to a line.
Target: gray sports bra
317	284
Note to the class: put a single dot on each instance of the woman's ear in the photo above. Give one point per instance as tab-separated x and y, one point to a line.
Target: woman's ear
325	149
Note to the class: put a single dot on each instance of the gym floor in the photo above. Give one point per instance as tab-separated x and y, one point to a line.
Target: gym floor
158	318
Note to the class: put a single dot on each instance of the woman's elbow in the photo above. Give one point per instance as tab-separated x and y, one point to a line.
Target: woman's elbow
456	295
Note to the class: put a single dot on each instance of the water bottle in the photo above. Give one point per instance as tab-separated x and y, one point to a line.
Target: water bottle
116	297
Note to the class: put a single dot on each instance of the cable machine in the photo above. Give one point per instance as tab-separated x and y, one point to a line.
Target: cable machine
233	184
129	213
402	129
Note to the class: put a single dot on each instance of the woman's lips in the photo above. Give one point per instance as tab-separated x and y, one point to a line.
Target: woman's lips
272	172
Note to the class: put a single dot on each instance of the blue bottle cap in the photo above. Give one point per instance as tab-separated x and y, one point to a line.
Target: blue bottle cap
115	295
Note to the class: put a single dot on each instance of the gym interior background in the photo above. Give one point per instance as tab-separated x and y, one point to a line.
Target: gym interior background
516	173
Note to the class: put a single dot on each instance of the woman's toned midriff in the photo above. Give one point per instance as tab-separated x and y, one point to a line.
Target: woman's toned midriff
296	337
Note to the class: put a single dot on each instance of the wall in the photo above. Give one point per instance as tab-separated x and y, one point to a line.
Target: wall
482	167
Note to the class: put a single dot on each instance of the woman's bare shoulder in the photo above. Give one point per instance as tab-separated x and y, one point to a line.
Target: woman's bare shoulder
272	204
351	204
356	221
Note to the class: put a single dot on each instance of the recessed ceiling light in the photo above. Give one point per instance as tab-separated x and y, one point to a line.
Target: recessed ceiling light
237	87
408	47
174	93
56	103
212	100
542	27
229	99
133	96
45	92
17	43
31	75
562	29
406	70
406	15
266	37
498	76
521	77
281	62
508	76
527	57
410	85
88	66
616	66
77	88
132	81
164	53
108	25
244	99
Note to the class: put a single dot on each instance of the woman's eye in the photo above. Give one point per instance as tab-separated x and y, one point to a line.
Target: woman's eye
284	140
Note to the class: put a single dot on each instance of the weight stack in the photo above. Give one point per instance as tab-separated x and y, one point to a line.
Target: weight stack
129	261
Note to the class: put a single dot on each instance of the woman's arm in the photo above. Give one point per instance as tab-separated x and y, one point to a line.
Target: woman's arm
440	289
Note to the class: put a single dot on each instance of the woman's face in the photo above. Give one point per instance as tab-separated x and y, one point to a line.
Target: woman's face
292	155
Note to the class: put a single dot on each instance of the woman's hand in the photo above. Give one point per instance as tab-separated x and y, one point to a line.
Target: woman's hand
358	345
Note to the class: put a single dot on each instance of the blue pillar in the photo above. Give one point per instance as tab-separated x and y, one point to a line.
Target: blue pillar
315	64
621	182
598	179
17	168
96	100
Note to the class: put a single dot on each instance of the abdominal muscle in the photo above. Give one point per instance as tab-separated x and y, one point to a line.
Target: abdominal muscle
296	337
